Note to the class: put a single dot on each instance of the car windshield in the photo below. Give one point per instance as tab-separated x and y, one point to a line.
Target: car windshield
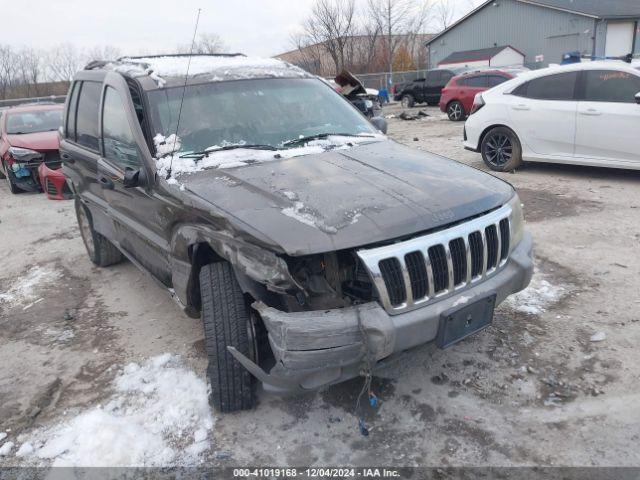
34	121
257	112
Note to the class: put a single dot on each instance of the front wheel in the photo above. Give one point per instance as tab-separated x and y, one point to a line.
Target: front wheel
501	150
227	322
408	101
455	111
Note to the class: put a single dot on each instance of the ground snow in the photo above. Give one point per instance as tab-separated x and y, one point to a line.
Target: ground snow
158	416
6	448
23	290
537	297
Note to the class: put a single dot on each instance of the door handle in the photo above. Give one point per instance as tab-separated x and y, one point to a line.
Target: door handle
521	106
106	183
67	158
591	111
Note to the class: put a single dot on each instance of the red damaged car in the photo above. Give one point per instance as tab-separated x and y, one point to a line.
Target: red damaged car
457	96
29	156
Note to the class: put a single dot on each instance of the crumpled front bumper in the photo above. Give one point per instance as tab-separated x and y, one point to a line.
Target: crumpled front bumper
318	348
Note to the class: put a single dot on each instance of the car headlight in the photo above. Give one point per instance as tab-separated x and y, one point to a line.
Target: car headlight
516	219
24	154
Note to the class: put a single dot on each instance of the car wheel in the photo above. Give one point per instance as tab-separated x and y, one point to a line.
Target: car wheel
227	321
101	251
408	101
501	150
13	188
455	111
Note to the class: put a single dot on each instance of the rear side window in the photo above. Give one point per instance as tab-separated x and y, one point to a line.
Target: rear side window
70	128
560	86
478	81
88	113
610	86
446	76
434	78
495	80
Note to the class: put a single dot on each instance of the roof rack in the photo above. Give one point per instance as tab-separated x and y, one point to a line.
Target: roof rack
96	64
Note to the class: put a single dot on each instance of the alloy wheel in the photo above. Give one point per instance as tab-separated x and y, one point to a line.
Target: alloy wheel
499	149
455	111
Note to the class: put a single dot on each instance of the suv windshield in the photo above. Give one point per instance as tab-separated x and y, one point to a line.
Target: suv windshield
34	121
256	112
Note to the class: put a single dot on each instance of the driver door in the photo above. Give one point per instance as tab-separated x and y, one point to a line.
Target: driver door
140	222
608	117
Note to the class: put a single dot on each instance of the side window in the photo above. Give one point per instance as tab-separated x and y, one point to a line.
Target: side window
610	86
70	128
495	80
87	118
560	86
478	81
446	76
118	142
433	78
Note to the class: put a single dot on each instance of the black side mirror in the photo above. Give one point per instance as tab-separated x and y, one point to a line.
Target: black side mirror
133	178
638	98
380	123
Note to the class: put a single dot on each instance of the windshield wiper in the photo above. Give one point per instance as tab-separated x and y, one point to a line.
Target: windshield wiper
204	153
321	136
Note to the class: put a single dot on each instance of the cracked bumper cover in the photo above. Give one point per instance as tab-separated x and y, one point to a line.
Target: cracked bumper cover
318	348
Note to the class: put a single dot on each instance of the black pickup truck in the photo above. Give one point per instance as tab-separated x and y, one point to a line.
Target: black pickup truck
312	247
425	90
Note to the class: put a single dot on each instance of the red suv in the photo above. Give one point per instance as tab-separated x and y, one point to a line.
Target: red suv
457	96
29	143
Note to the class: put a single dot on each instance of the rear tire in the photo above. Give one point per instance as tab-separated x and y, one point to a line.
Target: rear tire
100	250
226	320
408	101
455	111
501	150
9	177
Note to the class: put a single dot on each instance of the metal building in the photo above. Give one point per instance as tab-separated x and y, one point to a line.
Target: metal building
544	29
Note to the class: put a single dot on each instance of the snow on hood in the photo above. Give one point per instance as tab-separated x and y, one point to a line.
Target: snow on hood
242	157
220	68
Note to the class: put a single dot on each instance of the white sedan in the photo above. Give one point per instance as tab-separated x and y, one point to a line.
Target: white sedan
583	114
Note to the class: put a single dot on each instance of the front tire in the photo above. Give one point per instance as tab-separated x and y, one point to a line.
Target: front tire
455	111
100	250
226	319
501	150
408	101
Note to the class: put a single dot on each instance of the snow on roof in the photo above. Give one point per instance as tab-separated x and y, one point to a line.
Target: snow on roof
223	67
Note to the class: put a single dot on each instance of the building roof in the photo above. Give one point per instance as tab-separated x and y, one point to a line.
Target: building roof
476	55
590	8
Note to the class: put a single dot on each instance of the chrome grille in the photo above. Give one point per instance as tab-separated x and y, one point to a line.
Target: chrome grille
410	274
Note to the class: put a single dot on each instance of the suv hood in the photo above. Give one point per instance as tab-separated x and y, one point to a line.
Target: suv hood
348	198
40	141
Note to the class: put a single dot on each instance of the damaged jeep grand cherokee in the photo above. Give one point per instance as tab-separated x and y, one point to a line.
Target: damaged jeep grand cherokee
311	245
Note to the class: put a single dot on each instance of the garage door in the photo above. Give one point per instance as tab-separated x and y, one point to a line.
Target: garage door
619	39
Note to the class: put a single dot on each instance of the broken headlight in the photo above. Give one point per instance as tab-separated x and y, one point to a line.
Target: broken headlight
23	154
516	219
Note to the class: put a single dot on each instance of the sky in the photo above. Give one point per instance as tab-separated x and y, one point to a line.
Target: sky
253	27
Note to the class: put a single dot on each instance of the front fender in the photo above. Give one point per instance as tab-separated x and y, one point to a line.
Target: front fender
252	261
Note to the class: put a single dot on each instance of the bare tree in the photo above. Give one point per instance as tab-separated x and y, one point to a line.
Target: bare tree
399	21
8	70
64	61
205	43
103	52
331	24
444	13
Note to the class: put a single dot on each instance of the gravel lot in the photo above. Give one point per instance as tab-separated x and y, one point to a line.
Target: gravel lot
533	389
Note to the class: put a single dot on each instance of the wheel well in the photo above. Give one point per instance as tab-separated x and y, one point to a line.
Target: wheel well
200	254
488	129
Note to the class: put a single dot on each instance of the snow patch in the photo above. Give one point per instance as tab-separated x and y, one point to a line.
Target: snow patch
2	436
23	290
25	449
461	301
6	448
537	297
158	416
243	156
